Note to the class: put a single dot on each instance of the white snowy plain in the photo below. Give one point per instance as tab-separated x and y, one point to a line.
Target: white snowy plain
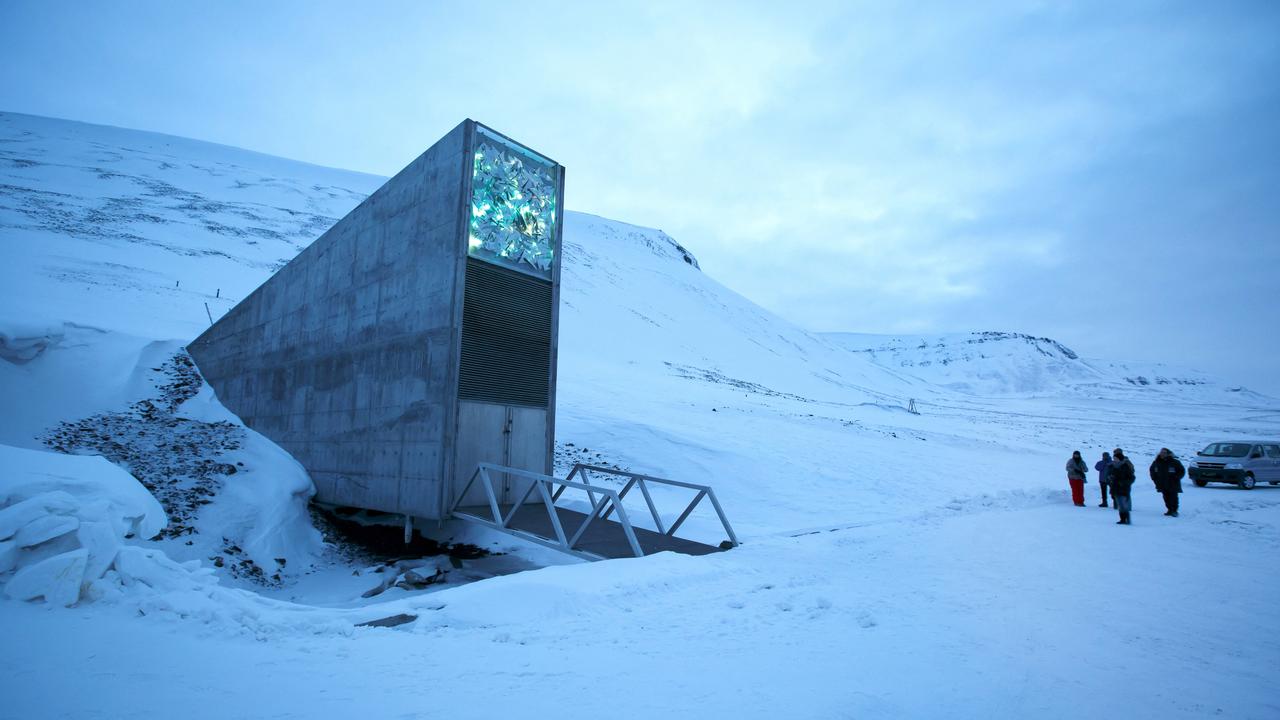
893	565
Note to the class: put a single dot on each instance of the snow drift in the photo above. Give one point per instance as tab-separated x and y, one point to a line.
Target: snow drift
63	522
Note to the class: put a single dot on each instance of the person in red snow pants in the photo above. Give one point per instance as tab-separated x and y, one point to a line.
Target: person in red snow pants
1077	471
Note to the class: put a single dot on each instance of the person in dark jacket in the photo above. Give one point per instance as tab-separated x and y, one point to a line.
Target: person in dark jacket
1167	473
1103	466
1121	477
1077	471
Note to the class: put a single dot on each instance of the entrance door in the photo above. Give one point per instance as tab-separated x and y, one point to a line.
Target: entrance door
507	435
482	437
528	440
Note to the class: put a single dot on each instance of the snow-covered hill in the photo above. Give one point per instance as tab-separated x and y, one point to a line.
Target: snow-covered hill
136	232
1002	363
864	524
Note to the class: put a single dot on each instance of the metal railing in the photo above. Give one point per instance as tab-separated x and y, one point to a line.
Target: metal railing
642	481
608	502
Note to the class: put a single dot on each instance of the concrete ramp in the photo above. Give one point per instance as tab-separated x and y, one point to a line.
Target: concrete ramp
604	531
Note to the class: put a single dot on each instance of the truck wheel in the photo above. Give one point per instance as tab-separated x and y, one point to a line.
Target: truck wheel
1248	482
1200	483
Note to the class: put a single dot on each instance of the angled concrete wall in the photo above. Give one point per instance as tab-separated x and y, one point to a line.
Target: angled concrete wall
347	356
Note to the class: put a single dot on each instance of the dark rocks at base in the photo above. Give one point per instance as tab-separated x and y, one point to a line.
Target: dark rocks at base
239	565
175	458
408	575
567	455
416	580
392	621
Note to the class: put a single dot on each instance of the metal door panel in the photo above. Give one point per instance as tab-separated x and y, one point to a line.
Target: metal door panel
529	439
528	446
481	438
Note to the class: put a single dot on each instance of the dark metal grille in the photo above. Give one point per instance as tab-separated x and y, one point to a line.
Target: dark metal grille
506	336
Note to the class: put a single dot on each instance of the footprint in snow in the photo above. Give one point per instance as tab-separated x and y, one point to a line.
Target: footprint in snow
820	607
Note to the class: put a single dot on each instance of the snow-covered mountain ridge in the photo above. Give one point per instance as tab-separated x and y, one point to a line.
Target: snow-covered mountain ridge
1045	346
1003	363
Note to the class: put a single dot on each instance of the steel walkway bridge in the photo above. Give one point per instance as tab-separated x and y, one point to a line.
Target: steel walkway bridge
603	531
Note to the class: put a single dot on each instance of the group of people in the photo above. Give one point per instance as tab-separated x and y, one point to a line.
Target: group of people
1116	474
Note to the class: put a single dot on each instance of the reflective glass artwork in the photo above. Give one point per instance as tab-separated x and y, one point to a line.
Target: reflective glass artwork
513	205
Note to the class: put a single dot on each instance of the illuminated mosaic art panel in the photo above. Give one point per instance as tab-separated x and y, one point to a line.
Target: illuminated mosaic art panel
513	206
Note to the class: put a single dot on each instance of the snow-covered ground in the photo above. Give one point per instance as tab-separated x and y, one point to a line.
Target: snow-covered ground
894	564
1014	610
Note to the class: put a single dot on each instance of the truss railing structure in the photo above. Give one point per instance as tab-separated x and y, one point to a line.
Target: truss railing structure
543	484
641	481
608	502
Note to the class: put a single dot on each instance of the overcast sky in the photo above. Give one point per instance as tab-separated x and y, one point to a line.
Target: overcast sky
1104	173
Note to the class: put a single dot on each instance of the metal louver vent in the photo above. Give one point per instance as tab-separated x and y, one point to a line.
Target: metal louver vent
506	336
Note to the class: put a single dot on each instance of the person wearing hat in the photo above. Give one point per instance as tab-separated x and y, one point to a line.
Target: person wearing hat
1121	477
1077	471
1167	473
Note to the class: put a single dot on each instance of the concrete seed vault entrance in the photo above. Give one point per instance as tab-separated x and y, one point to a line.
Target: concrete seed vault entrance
407	358
415	338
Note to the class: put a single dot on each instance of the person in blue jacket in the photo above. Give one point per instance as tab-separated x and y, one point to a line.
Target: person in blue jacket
1103	466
